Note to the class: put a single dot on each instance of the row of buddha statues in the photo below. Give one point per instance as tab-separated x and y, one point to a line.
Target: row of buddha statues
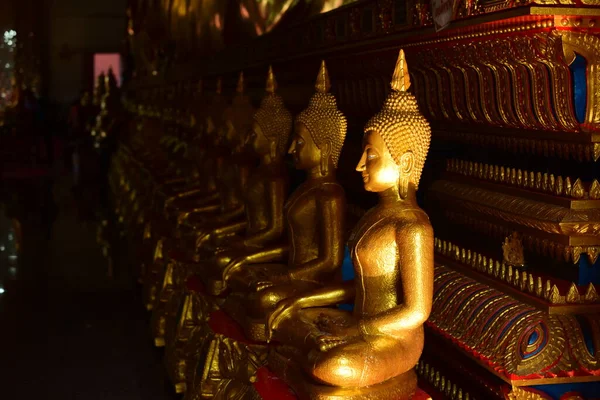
228	240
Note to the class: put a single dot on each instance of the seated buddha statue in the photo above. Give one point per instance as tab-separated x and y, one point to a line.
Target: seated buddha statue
314	217
171	200
325	352
233	172
234	166
201	189
264	195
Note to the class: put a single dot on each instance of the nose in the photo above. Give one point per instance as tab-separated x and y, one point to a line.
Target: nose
249	138
292	149
361	166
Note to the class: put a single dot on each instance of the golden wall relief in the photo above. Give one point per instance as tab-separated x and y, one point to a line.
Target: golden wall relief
518	343
555	249
588	46
540	216
581	152
482	72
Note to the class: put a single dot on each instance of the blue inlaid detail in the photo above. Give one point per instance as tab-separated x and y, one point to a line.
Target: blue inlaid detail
588	335
540	346
347	267
588	273
533	337
578	74
347	275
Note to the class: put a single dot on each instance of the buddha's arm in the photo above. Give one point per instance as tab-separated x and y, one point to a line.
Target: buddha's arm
199	210
229	215
276	198
199	189
327	296
270	254
331	245
223	230
415	263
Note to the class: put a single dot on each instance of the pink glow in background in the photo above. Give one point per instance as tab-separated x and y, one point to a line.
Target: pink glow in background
104	61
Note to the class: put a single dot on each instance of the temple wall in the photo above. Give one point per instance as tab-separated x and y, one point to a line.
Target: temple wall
77	31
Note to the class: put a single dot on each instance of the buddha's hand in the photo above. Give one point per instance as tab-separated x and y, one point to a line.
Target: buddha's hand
181	218
342	336
284	309
232	267
202	238
272	281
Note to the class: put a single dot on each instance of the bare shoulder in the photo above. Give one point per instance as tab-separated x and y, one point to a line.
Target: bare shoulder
331	192
413	222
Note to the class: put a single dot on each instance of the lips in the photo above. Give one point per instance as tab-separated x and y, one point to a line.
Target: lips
365	177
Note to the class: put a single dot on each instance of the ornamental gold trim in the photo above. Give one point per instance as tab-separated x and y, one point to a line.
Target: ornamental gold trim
581	152
556	185
441	383
542	246
544	217
524	281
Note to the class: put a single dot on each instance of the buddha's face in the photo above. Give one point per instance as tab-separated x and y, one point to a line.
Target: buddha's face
258	141
303	149
229	134
379	170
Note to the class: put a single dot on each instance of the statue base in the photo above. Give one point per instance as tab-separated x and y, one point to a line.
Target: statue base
402	387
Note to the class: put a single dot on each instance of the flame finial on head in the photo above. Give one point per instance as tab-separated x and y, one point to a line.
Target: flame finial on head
239	114
272	116
400	123
401	78
324	121
219	87
240	83
271	82
323	83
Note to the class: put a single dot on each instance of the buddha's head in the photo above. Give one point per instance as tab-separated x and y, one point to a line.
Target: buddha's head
272	123
85	99
238	117
396	139
99	89
214	118
110	82
320	129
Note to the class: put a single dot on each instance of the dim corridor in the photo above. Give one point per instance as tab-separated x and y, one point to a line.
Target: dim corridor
67	331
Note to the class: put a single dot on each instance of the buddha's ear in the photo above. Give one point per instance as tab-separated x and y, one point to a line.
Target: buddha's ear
326	150
325	157
407	162
273	148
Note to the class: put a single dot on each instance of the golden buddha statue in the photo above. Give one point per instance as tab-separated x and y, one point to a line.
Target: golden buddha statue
370	352
232	169
314	215
265	191
171	199
233	172
201	190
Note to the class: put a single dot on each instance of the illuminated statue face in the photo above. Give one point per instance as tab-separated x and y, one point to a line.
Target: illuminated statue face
379	170
303	149
259	142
